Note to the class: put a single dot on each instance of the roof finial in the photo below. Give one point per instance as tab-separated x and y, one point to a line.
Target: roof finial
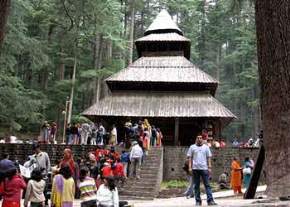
163	23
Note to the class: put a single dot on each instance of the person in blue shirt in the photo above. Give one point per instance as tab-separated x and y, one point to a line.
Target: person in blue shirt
125	159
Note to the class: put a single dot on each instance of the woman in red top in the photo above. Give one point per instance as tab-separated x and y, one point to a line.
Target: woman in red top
12	185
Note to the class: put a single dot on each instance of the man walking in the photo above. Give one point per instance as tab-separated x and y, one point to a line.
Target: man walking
135	158
199	156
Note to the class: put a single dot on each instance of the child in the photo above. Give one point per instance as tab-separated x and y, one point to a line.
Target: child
13	185
35	189
88	189
63	188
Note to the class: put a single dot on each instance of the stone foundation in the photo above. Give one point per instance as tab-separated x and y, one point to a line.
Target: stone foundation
173	157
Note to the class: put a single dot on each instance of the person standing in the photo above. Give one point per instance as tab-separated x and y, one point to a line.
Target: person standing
85	131
100	135
68	160
136	155
247	172
53	131
35	188
199	164
125	159
189	191
13	184
88	190
236	176
42	162
44	133
159	137
113	136
63	188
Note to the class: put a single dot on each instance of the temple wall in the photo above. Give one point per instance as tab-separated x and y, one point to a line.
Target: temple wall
173	158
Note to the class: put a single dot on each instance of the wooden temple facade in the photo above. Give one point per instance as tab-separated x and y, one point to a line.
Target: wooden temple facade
163	86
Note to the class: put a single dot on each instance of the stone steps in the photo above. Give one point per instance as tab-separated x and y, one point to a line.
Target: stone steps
145	188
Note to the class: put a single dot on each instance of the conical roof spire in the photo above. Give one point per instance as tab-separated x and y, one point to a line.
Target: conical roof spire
163	23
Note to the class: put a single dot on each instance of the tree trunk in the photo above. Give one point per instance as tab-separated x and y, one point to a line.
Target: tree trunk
61	65
273	43
4	12
202	38
218	62
97	65
131	47
72	91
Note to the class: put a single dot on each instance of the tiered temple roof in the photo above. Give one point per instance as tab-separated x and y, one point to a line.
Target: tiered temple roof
162	82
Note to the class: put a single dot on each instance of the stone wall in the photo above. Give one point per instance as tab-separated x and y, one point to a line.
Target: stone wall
174	158
20	152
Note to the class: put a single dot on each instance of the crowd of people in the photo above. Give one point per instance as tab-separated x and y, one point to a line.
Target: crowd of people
250	143
94	179
90	133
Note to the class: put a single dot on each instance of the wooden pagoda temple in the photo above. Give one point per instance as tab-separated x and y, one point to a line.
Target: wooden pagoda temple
163	86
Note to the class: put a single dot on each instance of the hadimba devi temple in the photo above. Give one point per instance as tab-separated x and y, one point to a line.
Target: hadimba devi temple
163	86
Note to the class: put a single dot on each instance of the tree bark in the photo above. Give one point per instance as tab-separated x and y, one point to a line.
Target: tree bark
131	41
72	91
98	65
61	65
273	43
4	12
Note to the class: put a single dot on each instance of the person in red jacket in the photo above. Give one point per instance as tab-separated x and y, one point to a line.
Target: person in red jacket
107	170
13	184
118	172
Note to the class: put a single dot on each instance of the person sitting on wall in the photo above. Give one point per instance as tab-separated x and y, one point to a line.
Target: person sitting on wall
223	181
235	143
222	143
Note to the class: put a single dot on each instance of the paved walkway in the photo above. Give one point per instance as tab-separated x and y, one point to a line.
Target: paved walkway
223	198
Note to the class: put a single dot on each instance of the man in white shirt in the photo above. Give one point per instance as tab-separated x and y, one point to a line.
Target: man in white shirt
135	158
199	164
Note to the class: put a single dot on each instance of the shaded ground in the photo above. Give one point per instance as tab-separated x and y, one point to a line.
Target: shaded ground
170	191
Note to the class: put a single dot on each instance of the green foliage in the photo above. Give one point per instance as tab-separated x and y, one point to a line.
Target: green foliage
80	119
45	37
174	184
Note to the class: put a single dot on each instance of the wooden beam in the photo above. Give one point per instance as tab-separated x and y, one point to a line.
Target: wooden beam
251	191
176	131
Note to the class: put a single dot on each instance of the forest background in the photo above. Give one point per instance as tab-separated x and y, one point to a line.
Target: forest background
53	46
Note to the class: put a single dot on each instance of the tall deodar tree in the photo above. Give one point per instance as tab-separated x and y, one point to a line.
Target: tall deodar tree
4	11
273	43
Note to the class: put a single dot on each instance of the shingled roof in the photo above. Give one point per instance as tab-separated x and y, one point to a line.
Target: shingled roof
151	72
171	37
156	104
163	23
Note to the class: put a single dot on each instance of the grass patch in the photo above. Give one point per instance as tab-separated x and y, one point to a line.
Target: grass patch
174	184
183	184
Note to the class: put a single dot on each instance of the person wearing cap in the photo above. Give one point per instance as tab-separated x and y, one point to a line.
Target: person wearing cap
135	158
13	184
